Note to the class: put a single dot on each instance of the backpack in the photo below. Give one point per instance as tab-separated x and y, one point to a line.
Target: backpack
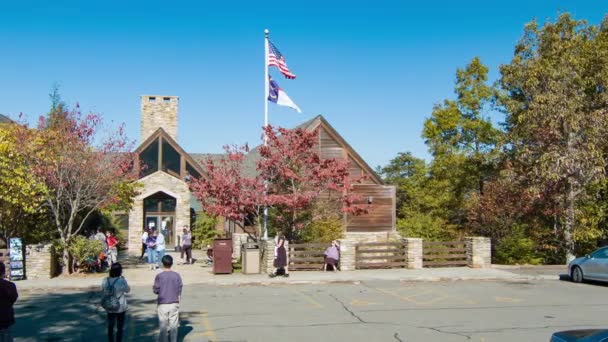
109	301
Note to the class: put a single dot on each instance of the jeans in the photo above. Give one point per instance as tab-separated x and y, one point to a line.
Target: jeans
112	319
112	256
168	320
159	256
5	335
188	250
151	256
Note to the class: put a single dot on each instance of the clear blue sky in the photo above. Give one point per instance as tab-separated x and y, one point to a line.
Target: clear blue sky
374	69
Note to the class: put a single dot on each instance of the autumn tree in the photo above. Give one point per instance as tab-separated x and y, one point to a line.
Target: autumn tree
291	179
83	170
21	193
556	104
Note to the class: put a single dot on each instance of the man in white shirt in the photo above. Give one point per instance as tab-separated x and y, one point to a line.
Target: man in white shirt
160	246
144	238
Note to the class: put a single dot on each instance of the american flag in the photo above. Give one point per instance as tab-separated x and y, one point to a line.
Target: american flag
275	58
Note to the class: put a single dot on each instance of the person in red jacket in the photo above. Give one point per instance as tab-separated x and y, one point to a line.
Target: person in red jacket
8	297
112	248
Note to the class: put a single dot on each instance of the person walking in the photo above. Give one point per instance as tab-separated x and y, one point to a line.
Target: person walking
151	249
112	249
144	245
168	286
280	257
187	245
118	286
8	297
160	247
101	237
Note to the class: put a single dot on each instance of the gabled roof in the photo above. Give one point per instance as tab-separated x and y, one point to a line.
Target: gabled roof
5	119
319	121
161	132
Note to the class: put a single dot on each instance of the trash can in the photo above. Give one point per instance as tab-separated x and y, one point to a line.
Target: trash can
222	256
250	257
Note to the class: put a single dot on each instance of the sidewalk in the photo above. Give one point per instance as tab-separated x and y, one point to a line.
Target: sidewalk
139	275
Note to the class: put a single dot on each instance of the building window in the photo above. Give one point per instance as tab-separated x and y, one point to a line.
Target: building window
171	159
192	171
166	99
149	159
151	99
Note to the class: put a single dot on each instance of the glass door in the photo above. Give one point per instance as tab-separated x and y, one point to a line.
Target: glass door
168	230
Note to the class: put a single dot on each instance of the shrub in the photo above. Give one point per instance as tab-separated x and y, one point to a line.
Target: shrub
83	250
517	248
203	230
323	230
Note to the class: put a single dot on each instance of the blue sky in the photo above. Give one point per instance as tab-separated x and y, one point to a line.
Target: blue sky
374	69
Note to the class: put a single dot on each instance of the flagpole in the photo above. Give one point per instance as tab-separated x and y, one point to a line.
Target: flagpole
266	90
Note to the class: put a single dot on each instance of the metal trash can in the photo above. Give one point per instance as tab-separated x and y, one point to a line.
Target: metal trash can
222	256
250	257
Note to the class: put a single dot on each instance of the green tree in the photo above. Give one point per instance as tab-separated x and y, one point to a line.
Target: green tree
555	99
462	139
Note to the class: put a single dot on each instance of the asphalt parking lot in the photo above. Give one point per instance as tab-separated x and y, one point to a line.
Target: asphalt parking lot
367	311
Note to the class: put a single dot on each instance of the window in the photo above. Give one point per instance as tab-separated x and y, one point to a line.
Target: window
166	99
600	254
171	159
159	203
149	159
192	171
151	99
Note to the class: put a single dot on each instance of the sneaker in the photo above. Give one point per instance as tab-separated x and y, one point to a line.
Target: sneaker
272	275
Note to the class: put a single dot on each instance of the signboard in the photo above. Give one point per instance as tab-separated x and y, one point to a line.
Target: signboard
16	258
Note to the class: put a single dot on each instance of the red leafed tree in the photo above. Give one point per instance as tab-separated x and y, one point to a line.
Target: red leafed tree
83	169
299	184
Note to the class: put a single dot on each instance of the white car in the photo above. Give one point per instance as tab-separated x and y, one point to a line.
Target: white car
593	266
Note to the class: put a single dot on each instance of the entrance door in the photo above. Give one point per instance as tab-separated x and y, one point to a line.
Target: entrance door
163	224
159	215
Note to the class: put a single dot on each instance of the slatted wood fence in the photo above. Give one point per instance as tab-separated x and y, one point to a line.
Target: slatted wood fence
442	254
381	255
306	256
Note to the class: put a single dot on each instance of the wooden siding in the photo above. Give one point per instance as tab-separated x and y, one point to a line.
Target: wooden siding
381	215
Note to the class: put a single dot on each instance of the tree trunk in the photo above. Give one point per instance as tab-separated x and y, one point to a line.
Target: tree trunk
569	223
66	261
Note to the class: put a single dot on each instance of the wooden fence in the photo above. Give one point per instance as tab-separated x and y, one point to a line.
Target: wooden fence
306	256
441	254
381	255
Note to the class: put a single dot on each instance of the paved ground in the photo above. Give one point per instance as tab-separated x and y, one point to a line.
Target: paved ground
380	310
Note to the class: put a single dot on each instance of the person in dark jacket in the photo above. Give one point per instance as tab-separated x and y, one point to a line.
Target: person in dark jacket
8	297
280	257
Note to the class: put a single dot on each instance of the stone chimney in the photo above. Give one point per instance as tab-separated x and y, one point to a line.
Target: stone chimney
158	111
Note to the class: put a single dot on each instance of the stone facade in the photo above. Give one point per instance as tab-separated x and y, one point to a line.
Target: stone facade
373	237
414	252
479	252
158	182
158	111
347	254
237	240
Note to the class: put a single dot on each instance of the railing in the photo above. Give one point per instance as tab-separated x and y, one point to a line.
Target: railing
441	254
306	256
381	255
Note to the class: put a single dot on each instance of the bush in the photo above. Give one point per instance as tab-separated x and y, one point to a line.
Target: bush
84	251
324	230
517	248
203	230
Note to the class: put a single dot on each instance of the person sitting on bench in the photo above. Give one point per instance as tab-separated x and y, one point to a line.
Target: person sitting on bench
332	256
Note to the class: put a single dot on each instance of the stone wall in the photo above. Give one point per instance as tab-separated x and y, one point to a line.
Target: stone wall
237	240
373	237
172	186
347	254
414	251
158	111
479	252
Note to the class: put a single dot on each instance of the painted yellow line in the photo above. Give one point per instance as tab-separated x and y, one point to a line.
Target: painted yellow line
208	327
306	297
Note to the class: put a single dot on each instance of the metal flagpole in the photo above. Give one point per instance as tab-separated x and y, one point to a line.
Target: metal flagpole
266	90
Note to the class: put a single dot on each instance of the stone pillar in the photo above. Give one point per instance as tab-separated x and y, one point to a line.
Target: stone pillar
347	254
414	252
39	263
479	252
237	240
267	256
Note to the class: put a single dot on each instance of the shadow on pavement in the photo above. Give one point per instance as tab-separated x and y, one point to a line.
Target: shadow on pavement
78	317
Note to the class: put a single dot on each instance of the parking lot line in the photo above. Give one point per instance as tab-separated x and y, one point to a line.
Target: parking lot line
306	297
209	331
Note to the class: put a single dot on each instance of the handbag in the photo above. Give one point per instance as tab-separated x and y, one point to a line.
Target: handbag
109	301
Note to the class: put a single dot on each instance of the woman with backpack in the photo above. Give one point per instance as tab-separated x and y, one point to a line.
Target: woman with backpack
114	301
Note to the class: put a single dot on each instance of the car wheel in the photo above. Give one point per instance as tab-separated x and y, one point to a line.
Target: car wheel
577	275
